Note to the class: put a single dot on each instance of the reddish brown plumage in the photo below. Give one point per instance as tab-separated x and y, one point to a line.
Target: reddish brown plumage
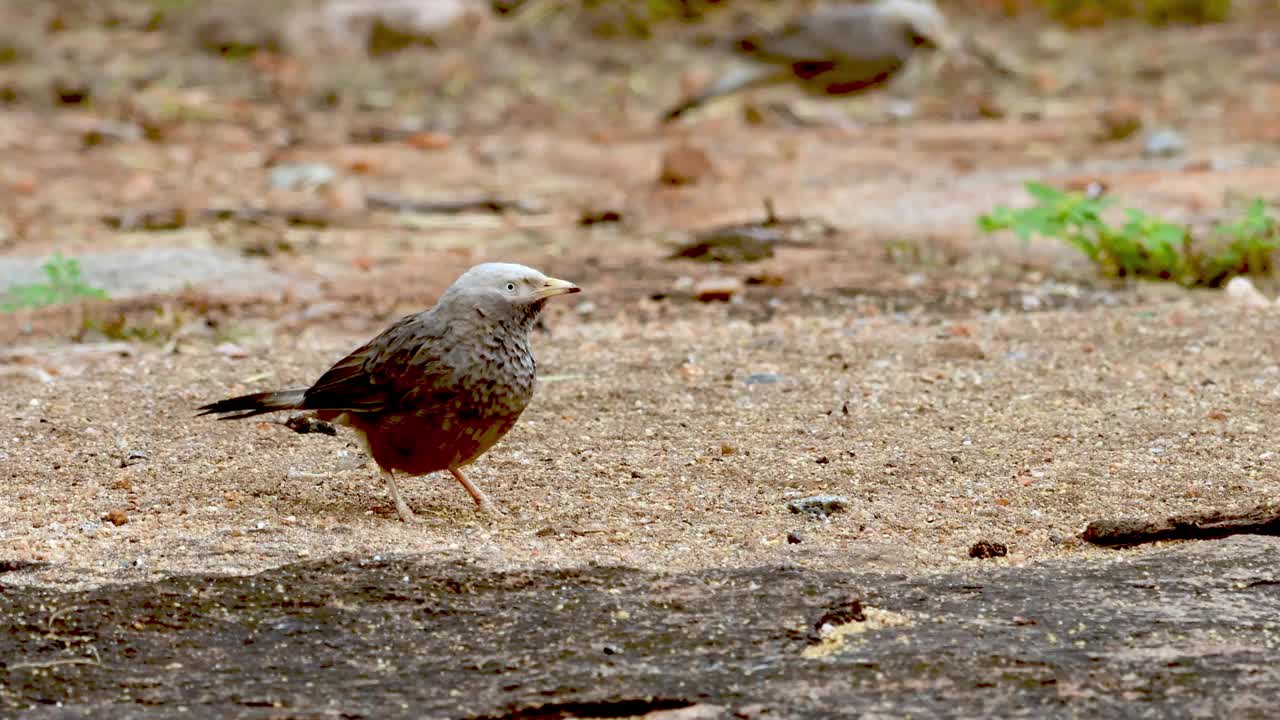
438	388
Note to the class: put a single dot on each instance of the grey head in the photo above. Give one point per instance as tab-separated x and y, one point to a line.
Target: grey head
919	23
865	34
503	291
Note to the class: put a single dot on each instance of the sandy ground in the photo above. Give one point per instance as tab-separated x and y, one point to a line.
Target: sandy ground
649	448
953	387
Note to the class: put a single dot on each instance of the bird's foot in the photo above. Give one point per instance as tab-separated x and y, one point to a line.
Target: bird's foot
490	509
406	514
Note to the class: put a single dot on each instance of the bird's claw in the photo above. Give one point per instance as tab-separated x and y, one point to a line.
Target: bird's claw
406	514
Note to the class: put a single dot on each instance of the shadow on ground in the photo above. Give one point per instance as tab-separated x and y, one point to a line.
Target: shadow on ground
1188	630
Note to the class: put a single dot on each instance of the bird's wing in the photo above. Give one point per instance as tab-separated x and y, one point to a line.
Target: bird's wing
402	367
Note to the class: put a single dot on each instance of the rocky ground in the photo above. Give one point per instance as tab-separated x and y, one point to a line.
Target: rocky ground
252	220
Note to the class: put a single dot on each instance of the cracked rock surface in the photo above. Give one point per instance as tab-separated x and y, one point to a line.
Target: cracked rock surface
1182	631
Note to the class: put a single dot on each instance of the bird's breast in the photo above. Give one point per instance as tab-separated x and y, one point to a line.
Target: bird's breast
505	375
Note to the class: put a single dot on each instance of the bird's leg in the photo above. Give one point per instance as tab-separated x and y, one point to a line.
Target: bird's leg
401	508
476	493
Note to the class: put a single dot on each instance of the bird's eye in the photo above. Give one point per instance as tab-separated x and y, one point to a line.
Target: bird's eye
511	287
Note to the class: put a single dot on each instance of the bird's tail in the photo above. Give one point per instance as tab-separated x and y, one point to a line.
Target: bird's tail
255	404
735	80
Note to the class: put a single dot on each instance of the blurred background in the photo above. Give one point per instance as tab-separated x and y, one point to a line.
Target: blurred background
302	149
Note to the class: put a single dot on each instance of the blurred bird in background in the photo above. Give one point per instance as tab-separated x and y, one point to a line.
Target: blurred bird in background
836	50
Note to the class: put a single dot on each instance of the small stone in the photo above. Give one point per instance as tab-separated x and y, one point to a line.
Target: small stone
428	140
301	175
985	549
591	217
1119	121
1164	142
611	650
684	165
108	131
89	528
794	538
957	349
117	517
764	378
717	289
231	350
819	505
122	483
304	424
1241	290
133	457
900	109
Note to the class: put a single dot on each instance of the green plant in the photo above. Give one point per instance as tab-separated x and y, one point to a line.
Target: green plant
1145	246
64	285
1249	245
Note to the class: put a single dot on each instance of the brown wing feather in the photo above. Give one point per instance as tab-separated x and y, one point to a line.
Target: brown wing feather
401	368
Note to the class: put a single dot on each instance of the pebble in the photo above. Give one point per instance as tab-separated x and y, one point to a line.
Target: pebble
717	289
985	549
794	538
685	165
108	131
819	505
304	424
89	528
1163	142
764	378
322	310
117	517
231	350
899	109
301	175
1241	290
133	457
956	349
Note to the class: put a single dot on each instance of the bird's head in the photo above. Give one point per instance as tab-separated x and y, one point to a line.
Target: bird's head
921	23
494	286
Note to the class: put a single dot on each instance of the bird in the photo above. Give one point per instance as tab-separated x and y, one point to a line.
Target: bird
837	50
436	389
